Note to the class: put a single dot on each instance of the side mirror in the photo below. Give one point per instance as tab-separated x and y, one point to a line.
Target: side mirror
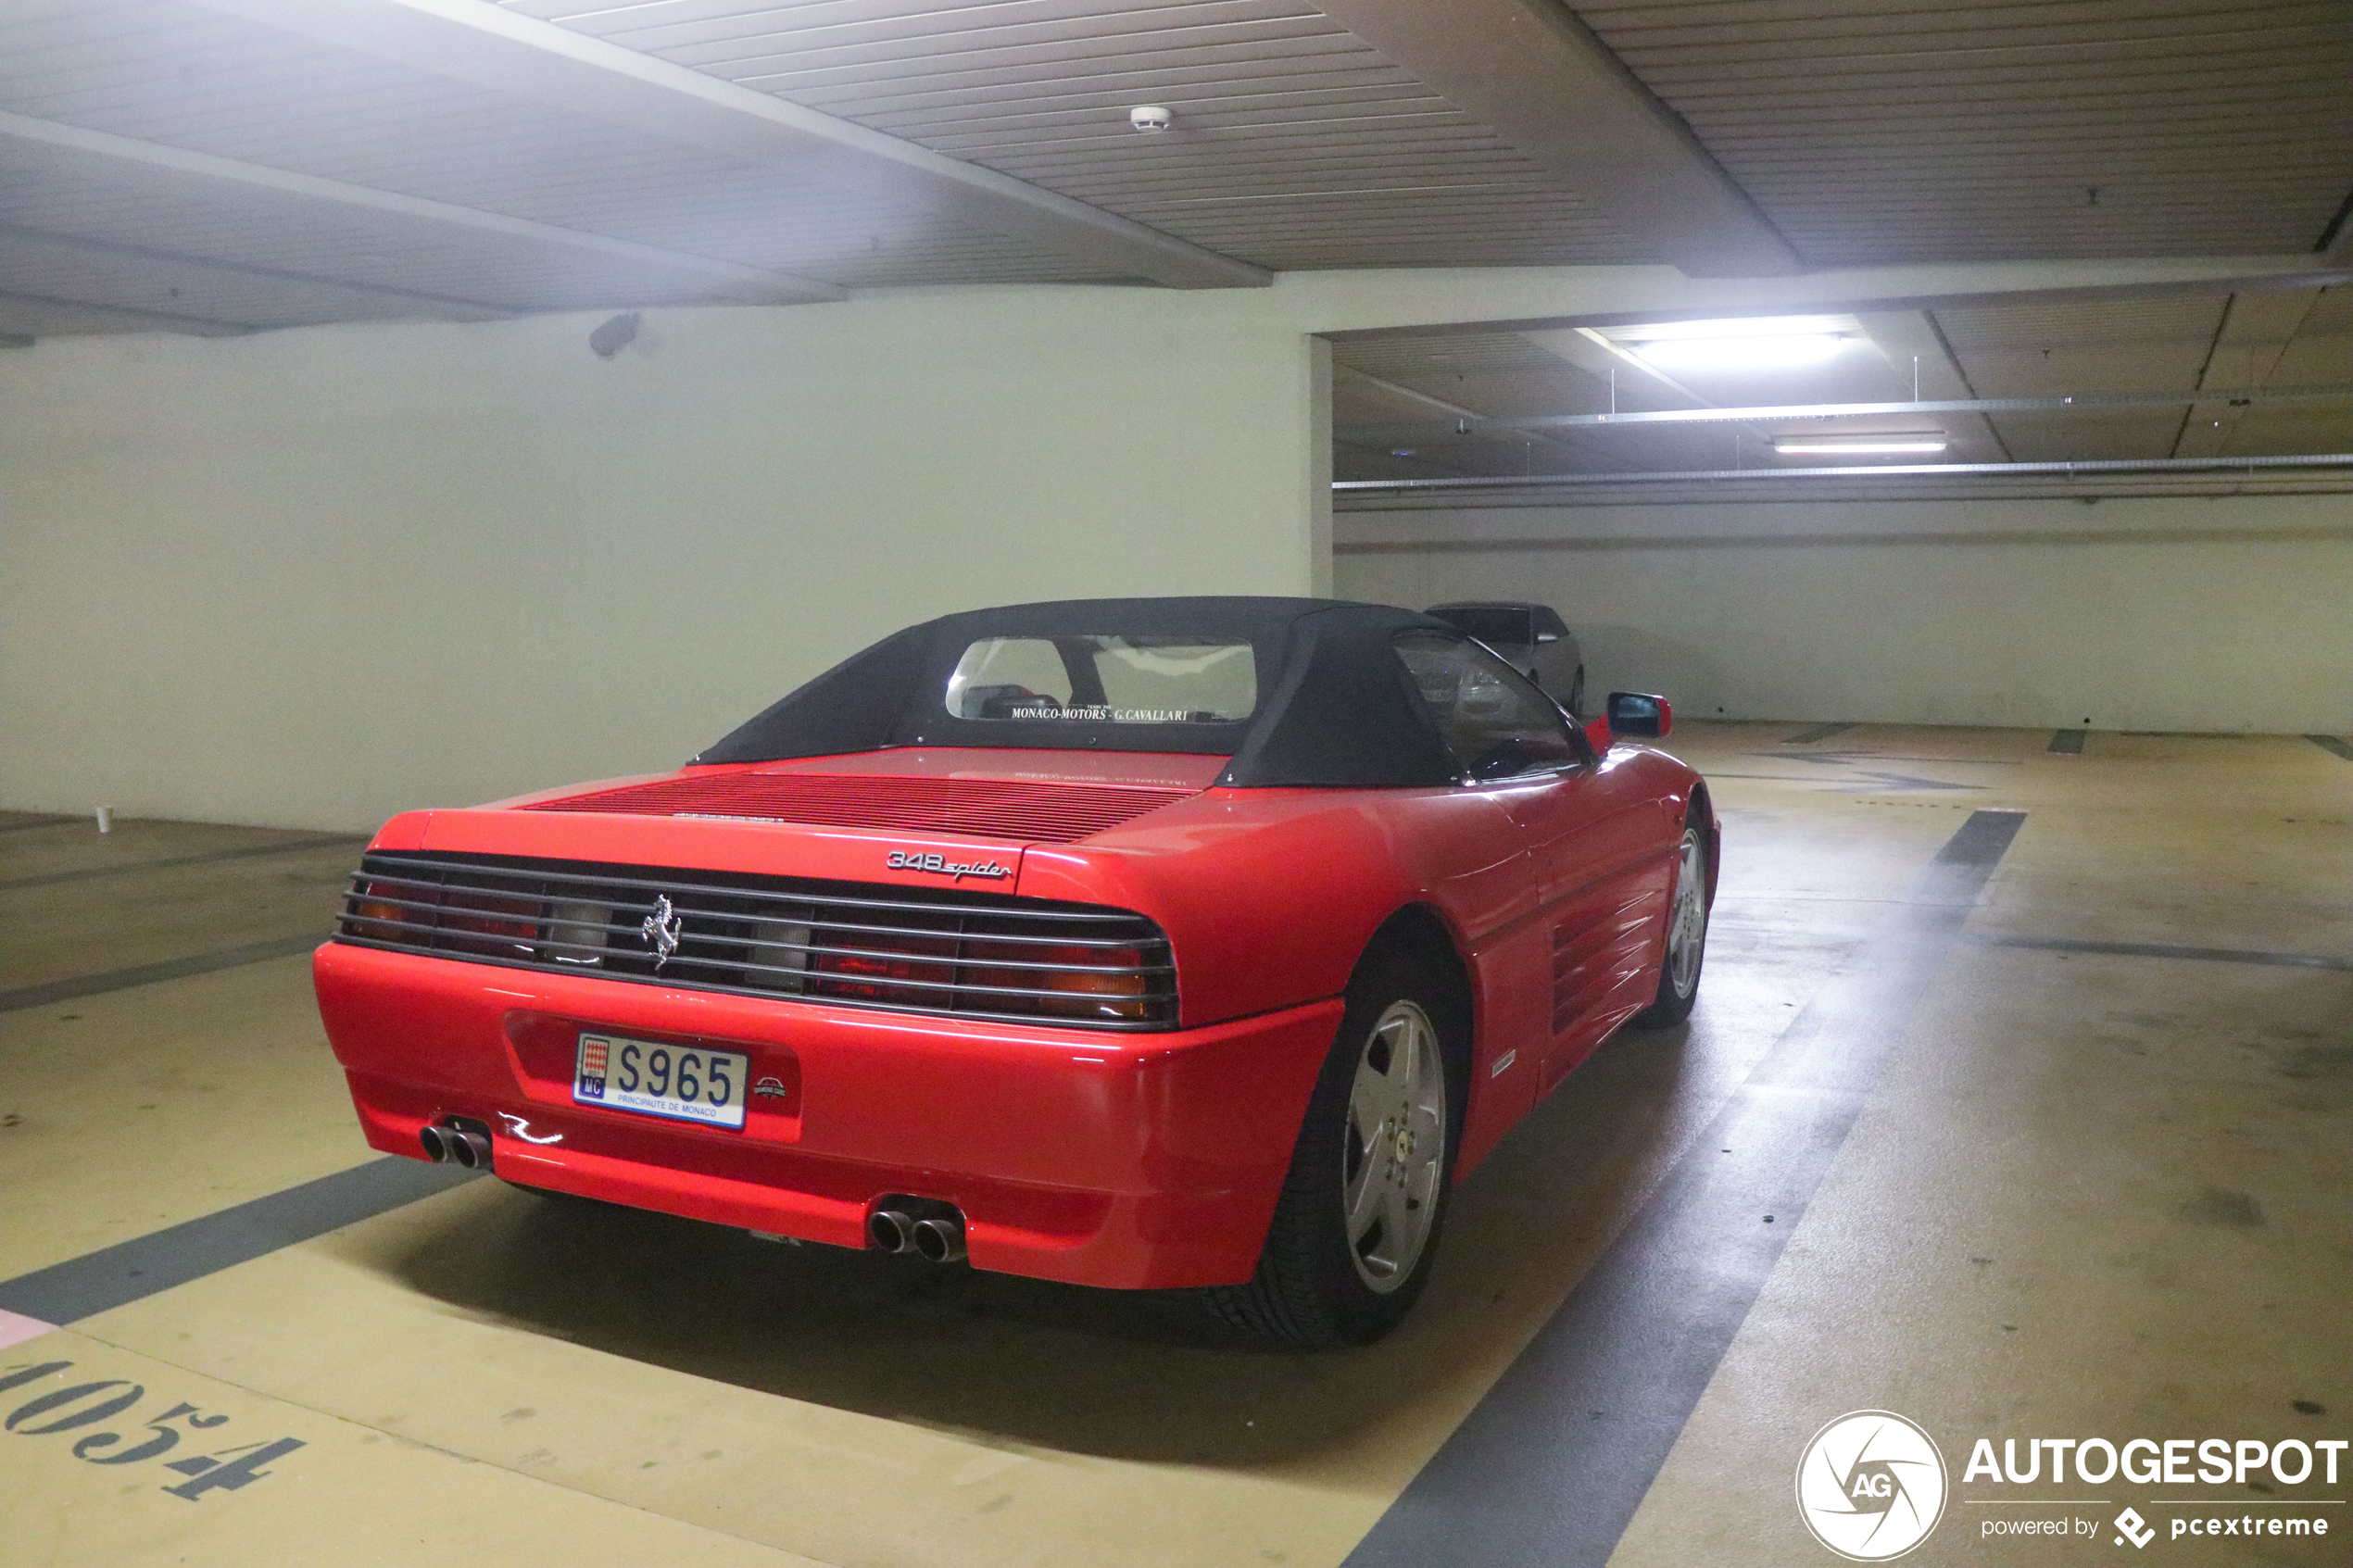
1543	638
1633	713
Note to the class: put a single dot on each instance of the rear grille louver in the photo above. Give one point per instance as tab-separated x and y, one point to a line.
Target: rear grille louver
1045	813
967	955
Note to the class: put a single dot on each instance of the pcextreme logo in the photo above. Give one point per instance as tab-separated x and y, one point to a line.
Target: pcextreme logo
1870	1486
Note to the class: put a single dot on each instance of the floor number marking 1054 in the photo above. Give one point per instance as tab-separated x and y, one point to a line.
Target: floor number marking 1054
86	1404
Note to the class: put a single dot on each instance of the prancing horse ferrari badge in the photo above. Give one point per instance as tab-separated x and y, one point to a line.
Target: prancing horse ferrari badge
662	930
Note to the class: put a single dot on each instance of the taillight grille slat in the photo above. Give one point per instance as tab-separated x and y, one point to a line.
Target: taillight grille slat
960	953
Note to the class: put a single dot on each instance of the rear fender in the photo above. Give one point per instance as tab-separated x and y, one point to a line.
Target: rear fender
1267	908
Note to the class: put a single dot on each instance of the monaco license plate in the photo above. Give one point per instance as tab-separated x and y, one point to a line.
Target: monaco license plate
688	1082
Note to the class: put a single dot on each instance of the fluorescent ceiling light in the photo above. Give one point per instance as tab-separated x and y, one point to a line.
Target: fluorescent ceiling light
1749	326
1747	342
1857	446
1782	351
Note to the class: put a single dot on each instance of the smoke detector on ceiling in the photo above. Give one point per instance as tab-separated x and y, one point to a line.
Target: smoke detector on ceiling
1149	117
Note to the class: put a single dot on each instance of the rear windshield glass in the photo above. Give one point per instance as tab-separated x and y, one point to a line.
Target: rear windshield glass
1105	678
1493	624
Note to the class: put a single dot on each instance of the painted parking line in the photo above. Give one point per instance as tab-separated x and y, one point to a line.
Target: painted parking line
97	1282
2068	743
50	991
1820	731
1852	779
1769	777
247	852
2334	745
1552	1465
2164	951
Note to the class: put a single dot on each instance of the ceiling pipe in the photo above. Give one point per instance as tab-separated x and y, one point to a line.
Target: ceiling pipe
1853	411
2084	468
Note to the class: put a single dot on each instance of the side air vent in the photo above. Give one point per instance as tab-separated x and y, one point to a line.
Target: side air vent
1039	813
972	955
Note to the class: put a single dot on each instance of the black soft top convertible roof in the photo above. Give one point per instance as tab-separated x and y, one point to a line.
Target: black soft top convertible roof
1336	707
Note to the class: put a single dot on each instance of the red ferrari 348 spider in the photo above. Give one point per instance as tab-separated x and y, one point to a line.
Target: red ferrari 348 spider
1142	943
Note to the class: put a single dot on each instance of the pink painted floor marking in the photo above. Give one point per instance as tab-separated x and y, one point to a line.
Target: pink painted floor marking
15	1329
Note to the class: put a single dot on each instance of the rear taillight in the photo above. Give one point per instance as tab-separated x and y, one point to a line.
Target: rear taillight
1105	982
373	911
489	925
913	970
500	928
967	953
1099	996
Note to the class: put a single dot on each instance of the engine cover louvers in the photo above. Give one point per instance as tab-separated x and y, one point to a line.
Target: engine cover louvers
1032	812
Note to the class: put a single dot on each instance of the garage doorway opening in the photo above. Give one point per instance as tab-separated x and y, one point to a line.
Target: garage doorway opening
2114	509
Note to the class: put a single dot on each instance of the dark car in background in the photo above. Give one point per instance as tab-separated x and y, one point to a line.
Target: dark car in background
1531	637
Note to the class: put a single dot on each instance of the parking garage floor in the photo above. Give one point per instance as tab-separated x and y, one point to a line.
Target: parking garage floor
2041	1059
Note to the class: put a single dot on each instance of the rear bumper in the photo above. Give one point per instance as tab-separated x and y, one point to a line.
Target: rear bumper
1126	1160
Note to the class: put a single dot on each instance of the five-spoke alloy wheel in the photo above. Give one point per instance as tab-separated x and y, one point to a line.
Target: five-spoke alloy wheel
1358	1223
1394	1155
1686	947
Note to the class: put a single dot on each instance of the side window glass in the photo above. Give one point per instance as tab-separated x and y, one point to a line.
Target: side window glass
1497	725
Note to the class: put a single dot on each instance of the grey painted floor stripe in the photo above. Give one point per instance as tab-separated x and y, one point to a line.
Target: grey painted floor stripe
2165	950
2331	743
2068	743
125	1272
148	974
1553	1462
1769	777
250	851
1820	731
40	823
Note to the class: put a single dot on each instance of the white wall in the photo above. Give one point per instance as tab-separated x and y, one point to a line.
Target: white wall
314	577
318	577
2180	613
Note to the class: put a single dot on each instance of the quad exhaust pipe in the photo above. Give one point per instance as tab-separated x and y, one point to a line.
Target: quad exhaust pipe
891	1230
940	1241
453	1143
932	1230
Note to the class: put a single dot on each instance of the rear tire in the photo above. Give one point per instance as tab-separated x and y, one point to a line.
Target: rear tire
1357	1225
1577	696
1685	950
